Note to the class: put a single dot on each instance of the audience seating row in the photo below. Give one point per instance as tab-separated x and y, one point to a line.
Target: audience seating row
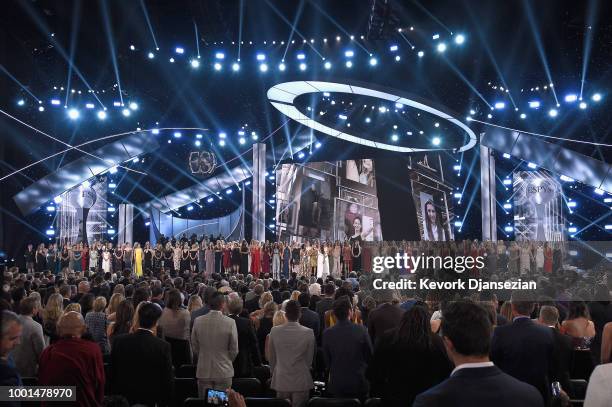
276	402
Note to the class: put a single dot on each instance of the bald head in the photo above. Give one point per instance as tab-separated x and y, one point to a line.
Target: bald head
71	324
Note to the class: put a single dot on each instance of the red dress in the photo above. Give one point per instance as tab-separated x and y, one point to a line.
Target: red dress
548	260
227	258
85	261
265	262
255	262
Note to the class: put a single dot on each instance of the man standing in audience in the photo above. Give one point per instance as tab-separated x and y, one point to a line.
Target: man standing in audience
27	353
253	304
599	391
309	318
214	341
475	381
347	350
248	352
292	349
563	347
206	294
65	292
325	303
385	316
73	361
524	349
11	335
141	362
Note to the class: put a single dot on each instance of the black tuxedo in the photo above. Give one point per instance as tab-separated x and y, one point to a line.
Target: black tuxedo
310	319
524	350
248	352
384	317
252	304
142	368
323	305
563	353
481	386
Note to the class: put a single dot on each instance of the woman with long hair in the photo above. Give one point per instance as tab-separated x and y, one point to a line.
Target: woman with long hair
123	320
51	314
434	229
410	344
138	260
113	303
578	325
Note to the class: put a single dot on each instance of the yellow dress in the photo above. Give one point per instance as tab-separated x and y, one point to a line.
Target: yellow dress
138	260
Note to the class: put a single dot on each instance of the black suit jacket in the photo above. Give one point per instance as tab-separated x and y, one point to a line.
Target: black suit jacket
524	350
563	351
482	386
310	319
383	318
197	313
322	307
248	351
142	368
252	304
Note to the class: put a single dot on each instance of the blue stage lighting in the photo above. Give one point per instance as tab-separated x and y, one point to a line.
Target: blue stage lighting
534	104
582	105
421	54
436	141
596	97
282	66
349	54
349	64
190	208
507	206
217	66
241	132
393	48
101	114
198	143
132	47
55	102
599	191
457	195
435	36
301	56
318	144
151	55
112	185
261	57
263	67
57	199
506	155
41	109
89	105
327	65
254	135
110	209
394	137
507	181
86	184
50	208
155	131
459	39
499	105
608	200
571	98
50	232
171	60
342	117
113	170
117	103
523	116
398	58
441	47
302	66
73	114
229	191
373	61
147	223
222	143
198	136
235	67
110	231
571	204
458	224
457	167
220	55
553	112
177	134
209	200
195	63
179	50
242	140
300	155
508	229
126	112
133	105
566	178
608	227
222	135
572	229
368	120
532	166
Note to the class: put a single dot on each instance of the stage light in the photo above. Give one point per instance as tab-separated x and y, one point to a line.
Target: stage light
373	61
242	140
534	104
436	124
608	227
171	60
50	232
217	66
608	200
459	39
458	224
222	143
457	167
302	66
151	55
301	56
327	65
508	229
198	143
220	55
209	200
318	144
393	48
73	114
457	195
421	54
55	102
57	199
500	105
582	105
101	114
147	223
112	185
261	57
235	67
349	64
349	54
300	155
398	58
342	117
133	105
254	135
132	47
155	131
599	191
177	134
507	206
572	229
436	141
86	184
395	137
229	191
435	36
112	170
553	112
506	155
571	98
125	112
532	166
50	208
489	116
89	105
41	109
596	97
338	38
571	204
190	208
222	135
110	209
523	116
179	50
263	67
441	47
566	178
117	104
195	63
507	181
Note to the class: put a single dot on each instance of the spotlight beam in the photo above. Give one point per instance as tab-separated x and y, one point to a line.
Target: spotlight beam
23	87
146	14
298	14
543	135
240	19
111	45
539	45
197	41
74	29
466	81
406	39
588	41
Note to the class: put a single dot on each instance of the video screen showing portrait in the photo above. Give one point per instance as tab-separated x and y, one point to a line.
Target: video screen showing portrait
327	200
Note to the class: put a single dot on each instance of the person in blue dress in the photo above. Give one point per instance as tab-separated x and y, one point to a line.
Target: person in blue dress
286	261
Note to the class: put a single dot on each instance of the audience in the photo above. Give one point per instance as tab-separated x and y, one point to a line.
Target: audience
475	381
141	363
96	322
385	316
599	390
32	343
562	347
74	361
214	340
292	349
248	351
11	336
309	318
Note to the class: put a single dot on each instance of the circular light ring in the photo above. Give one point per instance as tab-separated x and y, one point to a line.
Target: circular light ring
283	95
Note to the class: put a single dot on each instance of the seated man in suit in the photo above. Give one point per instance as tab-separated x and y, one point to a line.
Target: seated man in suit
142	362
309	318
476	381
563	347
524	349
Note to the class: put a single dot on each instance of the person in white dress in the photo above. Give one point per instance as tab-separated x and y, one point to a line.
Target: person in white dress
93	257
539	258
178	252
322	263
106	261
